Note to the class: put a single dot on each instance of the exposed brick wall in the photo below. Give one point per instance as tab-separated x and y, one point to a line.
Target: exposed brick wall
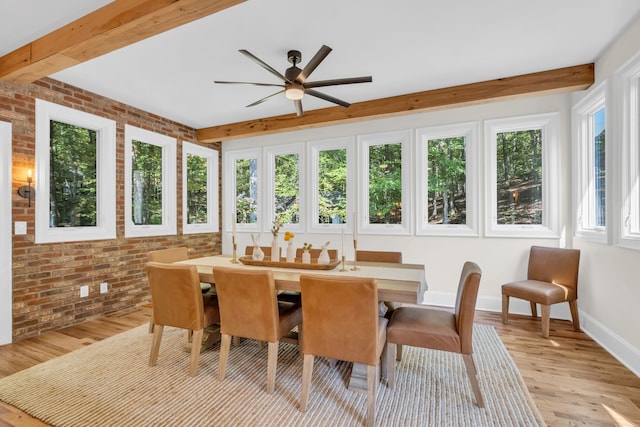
47	277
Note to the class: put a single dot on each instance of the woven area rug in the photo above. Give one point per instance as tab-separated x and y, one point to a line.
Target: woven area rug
110	384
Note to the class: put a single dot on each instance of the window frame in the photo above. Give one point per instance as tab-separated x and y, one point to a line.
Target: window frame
270	154
169	183
105	171
469	131
548	123
583	164
229	173
628	89
362	194
213	210
315	147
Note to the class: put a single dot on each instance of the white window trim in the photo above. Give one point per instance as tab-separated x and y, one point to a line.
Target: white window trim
423	135
169	188
628	89
211	157
229	189
105	170
362	209
270	154
6	285
549	125
315	147
583	185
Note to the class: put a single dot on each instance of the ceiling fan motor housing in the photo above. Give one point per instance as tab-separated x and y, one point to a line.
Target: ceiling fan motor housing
294	57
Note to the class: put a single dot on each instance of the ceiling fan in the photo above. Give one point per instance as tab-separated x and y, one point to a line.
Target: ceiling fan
294	81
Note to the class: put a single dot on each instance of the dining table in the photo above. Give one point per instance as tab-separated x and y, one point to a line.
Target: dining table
404	283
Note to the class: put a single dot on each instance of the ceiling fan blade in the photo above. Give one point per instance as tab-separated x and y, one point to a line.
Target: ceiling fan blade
313	64
326	97
298	105
334	82
247	83
260	101
264	65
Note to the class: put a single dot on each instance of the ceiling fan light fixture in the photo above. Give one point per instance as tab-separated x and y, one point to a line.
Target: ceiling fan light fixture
294	92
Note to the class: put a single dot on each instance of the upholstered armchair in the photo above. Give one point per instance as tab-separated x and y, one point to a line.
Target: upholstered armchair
552	278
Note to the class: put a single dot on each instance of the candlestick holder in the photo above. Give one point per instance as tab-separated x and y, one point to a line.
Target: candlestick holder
355	255
234	258
343	261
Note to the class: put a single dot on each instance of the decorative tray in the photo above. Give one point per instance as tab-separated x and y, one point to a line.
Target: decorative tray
247	260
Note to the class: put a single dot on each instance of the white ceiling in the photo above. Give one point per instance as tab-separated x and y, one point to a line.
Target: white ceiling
406	45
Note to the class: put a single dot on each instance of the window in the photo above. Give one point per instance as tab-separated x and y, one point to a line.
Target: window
522	185
199	189
285	178
150	183
589	148
75	175
242	168
384	188
628	82
331	166
446	165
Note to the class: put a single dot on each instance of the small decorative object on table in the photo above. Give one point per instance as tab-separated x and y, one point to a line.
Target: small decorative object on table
291	251
306	256
275	245
323	258
257	255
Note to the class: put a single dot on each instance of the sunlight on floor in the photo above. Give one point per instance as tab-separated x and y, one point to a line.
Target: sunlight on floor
617	418
554	343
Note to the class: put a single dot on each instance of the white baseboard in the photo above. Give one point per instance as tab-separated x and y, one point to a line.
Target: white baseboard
624	352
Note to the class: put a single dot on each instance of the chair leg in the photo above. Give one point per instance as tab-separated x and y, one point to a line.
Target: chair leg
534	309
573	305
155	344
372	381
383	362
307	371
151	323
399	352
546	314
236	341
505	309
391	364
272	362
196	343
473	378
225	345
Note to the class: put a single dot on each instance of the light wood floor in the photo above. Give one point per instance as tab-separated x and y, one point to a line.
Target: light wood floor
571	378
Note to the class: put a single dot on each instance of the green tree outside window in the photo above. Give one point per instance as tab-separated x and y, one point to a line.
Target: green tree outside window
73	184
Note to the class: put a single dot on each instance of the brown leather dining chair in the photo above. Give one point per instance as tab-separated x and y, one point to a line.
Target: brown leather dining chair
341	321
249	309
552	278
177	301
379	256
439	329
169	256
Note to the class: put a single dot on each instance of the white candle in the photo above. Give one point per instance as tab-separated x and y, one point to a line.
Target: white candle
355	226
342	237
233	226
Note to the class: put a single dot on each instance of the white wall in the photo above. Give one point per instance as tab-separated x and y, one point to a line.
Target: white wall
6	297
609	281
609	290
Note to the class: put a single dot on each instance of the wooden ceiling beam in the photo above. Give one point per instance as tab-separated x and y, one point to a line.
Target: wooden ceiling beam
554	81
109	28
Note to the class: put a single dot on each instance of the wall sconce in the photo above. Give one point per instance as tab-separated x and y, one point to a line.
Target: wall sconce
27	191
